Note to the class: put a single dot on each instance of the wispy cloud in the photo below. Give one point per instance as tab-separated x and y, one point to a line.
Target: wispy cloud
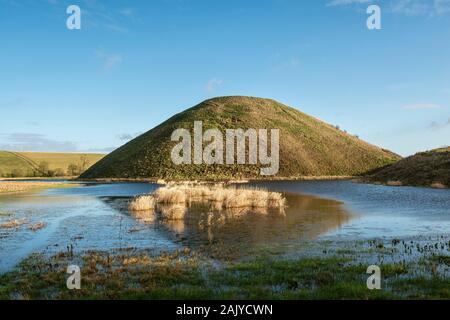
213	84
128	12
439	125
124	136
442	6
127	136
346	2
403	7
12	103
424	106
22	141
410	7
32	123
109	60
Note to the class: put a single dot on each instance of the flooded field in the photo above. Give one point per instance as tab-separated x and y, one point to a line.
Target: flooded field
96	217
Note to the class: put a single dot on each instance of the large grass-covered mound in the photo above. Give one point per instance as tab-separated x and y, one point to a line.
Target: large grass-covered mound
430	168
308	146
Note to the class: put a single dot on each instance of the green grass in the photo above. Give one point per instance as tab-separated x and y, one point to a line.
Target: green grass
308	146
430	168
185	275
10	163
26	164
60	160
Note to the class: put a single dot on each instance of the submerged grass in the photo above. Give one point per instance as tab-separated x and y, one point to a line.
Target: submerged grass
187	275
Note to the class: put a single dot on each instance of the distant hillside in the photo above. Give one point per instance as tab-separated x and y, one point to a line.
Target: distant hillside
308	146
430	168
39	164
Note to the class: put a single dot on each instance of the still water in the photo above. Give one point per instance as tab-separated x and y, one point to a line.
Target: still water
95	217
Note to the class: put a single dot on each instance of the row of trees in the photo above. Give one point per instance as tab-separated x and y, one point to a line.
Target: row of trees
43	170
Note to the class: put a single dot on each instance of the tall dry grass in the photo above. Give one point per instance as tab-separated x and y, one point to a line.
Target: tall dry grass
143	203
230	197
173	211
170	195
438	185
172	201
13	224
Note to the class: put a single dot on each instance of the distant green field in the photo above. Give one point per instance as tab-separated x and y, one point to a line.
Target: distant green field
40	164
9	163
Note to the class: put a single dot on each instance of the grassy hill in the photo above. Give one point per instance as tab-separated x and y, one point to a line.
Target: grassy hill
308	146
10	163
430	168
38	164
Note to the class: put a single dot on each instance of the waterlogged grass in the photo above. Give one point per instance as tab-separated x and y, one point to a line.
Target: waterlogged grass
187	275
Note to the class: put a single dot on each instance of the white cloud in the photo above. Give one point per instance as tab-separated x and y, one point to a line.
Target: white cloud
109	60
127	12
12	103
410	7
422	106
404	7
436	125
213	84
334	3
442	6
124	136
22	141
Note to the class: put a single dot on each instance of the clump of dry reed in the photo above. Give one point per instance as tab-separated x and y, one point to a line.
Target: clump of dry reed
171	201
173	211
229	197
37	226
438	185
13	223
394	183
170	195
146	216
143	203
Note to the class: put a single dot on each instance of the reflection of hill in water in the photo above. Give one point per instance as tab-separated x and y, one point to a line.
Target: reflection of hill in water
223	232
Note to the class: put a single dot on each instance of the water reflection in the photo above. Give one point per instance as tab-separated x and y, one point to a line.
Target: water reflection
239	231
96	217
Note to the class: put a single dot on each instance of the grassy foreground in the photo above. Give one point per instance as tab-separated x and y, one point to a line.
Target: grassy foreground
187	275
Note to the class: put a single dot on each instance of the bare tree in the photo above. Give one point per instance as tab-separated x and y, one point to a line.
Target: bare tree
84	163
44	168
73	169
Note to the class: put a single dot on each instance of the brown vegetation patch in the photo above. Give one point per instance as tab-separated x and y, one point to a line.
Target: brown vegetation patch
172	201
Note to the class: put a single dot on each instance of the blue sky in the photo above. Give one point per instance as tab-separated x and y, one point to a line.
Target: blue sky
133	64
